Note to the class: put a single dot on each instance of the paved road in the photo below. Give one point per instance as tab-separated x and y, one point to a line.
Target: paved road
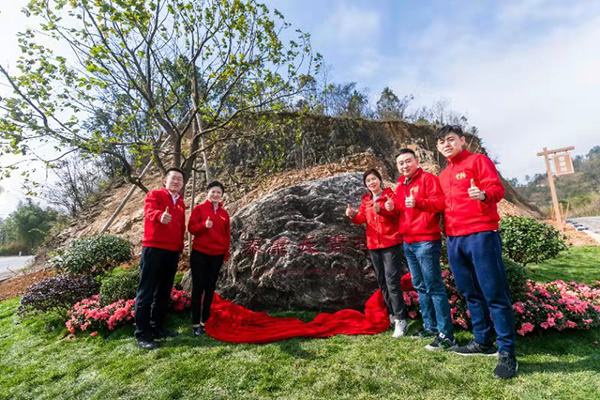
592	223
14	263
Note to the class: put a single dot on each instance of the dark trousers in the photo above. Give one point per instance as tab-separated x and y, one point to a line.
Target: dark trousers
205	272
157	272
476	262
388	264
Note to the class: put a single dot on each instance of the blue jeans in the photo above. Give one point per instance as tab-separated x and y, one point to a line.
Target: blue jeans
426	274
476	262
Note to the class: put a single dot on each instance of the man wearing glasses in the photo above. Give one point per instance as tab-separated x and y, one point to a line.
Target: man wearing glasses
164	229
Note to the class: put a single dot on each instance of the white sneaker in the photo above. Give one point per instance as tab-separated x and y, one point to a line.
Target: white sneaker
401	326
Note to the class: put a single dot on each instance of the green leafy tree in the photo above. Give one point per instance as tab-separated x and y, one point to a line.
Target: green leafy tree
344	99
29	224
181	71
389	106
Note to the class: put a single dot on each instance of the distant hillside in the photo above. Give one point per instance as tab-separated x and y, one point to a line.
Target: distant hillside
581	190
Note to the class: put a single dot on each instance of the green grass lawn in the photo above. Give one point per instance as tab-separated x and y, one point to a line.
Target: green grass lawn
579	264
38	361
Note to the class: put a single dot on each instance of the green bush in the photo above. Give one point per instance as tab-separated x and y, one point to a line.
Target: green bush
120	284
527	241
93	255
517	276
178	279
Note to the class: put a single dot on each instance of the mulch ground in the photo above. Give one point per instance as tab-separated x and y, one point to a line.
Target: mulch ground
18	285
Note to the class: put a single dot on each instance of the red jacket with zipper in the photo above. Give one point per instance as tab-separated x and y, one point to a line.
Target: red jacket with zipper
463	215
163	236
216	239
382	228
421	223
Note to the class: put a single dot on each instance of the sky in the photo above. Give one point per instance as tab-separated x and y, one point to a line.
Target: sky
525	72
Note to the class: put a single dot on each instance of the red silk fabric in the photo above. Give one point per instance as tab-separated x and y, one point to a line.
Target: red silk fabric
233	323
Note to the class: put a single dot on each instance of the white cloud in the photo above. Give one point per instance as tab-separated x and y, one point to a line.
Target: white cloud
352	26
522	95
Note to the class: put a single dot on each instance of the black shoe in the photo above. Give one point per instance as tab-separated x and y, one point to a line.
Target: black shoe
507	366
442	342
198	330
163	333
424	334
475	349
147	344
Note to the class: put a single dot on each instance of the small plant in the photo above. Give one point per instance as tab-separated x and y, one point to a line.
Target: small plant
120	284
93	255
527	241
57	294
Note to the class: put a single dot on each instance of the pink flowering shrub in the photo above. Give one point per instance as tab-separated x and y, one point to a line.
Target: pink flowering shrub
557	305
537	306
89	315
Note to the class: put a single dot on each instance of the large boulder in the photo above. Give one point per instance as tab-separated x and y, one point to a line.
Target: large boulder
295	249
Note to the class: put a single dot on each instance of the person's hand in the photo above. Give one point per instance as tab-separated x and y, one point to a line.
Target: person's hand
165	218
350	212
389	204
410	200
376	207
475	193
209	223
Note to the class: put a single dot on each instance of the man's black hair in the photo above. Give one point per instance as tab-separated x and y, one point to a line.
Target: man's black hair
176	170
215	184
405	151
449	129
372	171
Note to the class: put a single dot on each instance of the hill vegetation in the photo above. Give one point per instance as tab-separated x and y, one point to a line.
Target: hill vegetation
579	191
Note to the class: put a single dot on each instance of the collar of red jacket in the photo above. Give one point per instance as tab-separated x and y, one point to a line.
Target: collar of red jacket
207	201
384	192
164	189
459	157
402	180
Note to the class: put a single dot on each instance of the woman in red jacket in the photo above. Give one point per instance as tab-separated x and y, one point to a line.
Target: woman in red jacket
384	243
210	226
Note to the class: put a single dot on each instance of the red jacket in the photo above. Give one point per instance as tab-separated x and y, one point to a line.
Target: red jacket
382	228
163	236
421	223
216	239
463	215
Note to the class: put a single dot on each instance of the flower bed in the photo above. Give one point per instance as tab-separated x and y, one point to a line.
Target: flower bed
541	306
558	305
88	315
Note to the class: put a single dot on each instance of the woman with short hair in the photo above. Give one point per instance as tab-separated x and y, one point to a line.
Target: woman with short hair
384	243
209	223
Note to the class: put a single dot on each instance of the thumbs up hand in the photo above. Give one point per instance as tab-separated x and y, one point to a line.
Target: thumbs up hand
166	217
475	193
376	207
389	204
410	200
350	212
209	223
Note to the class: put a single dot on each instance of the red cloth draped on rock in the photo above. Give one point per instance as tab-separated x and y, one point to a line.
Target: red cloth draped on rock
233	323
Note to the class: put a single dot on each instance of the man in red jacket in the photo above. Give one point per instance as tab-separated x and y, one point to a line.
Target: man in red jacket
420	200
472	189
164	230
